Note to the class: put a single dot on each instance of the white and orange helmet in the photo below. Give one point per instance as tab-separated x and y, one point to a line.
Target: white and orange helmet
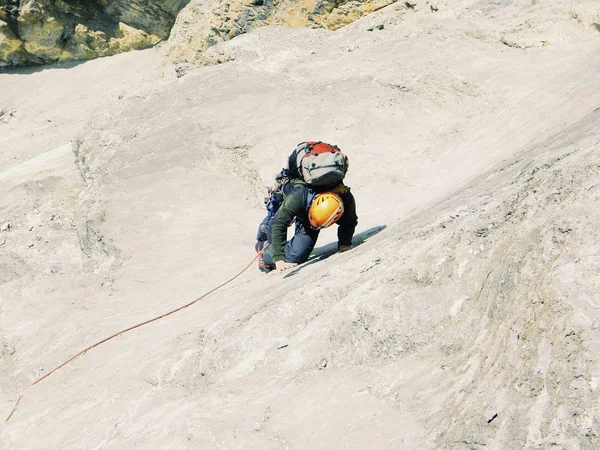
325	210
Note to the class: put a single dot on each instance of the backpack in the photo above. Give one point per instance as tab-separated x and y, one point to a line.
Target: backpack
318	164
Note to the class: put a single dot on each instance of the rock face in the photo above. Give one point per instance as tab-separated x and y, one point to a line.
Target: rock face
44	31
202	24
466	317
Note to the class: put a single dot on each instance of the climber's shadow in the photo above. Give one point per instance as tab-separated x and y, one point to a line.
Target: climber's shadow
325	251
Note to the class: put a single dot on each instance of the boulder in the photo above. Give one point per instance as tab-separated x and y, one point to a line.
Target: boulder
202	24
44	31
11	47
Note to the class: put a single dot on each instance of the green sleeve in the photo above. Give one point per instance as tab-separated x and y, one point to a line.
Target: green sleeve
292	206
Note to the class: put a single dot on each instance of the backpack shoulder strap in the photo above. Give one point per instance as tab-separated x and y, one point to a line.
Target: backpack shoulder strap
339	189
309	198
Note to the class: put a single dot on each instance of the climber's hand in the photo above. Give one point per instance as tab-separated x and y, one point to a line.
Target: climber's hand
282	266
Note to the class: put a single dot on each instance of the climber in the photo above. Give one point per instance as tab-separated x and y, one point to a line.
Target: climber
311	202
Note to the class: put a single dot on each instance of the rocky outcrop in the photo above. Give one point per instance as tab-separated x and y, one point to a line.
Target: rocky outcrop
44	31
203	24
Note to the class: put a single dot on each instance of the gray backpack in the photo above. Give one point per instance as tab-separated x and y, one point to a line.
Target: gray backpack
318	164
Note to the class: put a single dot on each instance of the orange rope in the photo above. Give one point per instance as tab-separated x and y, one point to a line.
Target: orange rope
132	328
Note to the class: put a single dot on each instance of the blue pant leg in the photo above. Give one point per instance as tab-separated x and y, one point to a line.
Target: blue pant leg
263	229
298	249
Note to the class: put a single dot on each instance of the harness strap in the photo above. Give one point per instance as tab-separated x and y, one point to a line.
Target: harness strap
309	198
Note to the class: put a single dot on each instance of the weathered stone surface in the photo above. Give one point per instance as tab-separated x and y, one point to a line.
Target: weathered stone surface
468	315
202	24
11	47
44	31
549	25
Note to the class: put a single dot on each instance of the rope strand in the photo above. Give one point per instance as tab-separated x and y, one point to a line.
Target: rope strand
132	328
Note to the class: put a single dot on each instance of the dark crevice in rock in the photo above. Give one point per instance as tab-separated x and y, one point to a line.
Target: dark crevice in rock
10	14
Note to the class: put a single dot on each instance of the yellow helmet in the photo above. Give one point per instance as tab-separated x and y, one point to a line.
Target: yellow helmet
325	209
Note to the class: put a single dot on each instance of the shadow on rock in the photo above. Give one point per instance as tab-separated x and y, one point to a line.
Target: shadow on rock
325	251
36	68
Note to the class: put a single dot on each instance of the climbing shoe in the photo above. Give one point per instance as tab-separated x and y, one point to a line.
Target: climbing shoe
262	266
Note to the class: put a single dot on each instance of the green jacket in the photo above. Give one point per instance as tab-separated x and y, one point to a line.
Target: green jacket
295	207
